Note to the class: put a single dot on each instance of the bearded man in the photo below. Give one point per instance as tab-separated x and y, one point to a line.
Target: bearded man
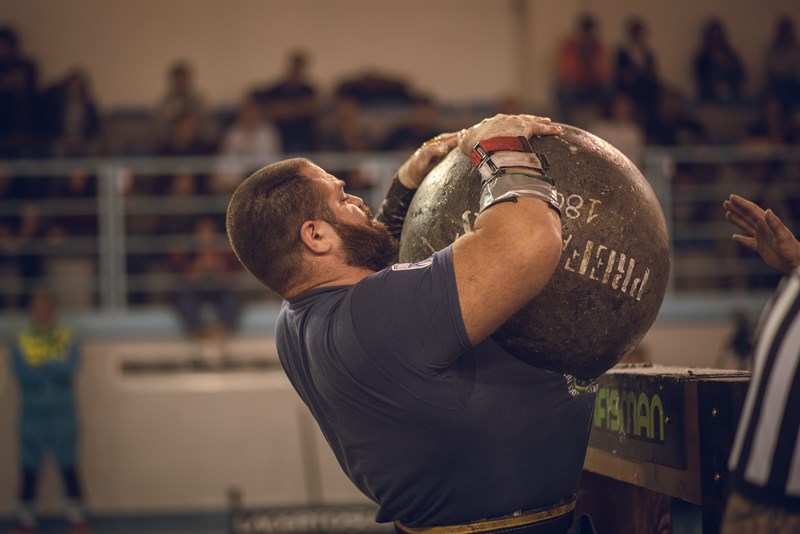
427	415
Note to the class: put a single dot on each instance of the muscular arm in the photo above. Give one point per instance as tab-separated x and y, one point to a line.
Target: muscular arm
505	262
515	247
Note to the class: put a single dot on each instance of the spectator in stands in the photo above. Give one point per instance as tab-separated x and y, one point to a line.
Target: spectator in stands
245	145
45	358
181	188
783	64
81	186
182	99
374	88
619	126
584	70
344	131
774	126
23	233
635	68
718	71
423	124
203	275
291	104
673	123
185	138
17	98
178	189
69	120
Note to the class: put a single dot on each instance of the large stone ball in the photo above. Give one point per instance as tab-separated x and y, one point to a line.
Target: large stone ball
614	268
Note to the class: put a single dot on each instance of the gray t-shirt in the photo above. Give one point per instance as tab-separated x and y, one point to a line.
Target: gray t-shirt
435	431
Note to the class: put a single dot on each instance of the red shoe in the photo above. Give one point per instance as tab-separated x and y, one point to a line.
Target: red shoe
79	528
22	529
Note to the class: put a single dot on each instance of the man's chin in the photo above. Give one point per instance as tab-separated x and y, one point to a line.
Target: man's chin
368	246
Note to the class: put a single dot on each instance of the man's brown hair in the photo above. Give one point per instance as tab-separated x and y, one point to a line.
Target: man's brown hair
264	218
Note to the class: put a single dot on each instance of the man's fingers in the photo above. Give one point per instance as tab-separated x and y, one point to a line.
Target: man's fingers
741	222
546	129
536	118
437	152
438	149
747	242
506	125
448	138
746	208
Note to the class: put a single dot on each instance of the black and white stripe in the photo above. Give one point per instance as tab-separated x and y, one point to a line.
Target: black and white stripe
765	459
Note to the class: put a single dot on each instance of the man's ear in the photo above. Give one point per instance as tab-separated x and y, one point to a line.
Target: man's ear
316	236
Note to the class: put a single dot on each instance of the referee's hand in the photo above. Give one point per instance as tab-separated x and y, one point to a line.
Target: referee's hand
764	233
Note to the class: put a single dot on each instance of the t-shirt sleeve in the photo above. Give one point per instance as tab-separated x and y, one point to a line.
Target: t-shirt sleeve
411	312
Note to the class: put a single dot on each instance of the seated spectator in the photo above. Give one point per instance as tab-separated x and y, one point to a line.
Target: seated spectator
423	124
783	64
17	98
245	146
69	120
584	70
185	138
673	123
718	71
24	237
372	88
181	188
619	126
344	131
182	99
81	187
203	275
636	72
774	126
291	104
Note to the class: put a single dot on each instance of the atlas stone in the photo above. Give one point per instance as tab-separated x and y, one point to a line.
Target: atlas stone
610	281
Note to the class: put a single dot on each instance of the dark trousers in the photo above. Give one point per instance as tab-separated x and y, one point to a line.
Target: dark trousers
29	479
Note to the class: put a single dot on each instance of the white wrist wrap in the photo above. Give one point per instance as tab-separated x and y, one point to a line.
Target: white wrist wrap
500	160
503	187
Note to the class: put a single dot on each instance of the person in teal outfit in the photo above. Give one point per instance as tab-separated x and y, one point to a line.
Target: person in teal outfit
45	357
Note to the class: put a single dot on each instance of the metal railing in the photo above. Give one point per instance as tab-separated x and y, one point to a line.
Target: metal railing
99	271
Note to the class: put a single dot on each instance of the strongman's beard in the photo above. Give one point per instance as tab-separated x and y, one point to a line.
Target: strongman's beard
368	245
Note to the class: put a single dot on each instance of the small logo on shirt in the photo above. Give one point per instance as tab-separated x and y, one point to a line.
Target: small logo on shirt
409	266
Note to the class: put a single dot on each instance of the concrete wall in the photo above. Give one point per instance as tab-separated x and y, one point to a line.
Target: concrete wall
455	49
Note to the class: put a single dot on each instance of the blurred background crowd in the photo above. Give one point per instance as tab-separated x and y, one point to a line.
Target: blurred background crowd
166	207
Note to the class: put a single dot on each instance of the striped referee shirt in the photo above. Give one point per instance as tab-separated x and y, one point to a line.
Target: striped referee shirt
765	459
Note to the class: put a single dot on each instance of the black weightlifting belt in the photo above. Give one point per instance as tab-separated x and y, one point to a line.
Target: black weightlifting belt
556	519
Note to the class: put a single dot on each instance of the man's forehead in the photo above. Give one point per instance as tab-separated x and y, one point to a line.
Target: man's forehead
316	172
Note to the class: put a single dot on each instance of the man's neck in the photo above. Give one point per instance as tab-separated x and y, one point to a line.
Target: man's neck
342	277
